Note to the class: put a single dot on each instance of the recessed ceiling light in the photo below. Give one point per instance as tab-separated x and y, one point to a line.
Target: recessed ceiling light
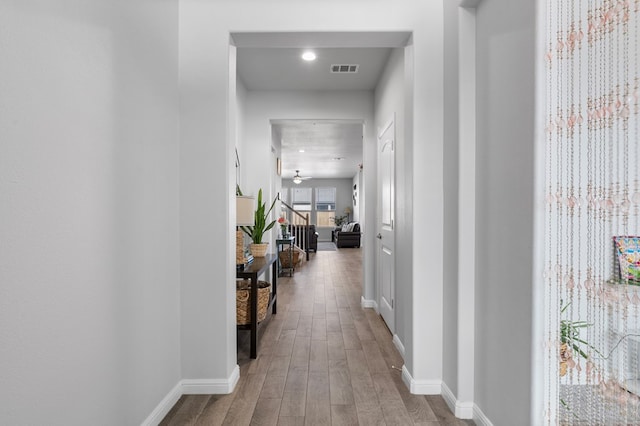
309	56
301	150
338	158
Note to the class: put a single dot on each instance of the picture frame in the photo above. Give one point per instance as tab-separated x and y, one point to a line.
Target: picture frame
626	256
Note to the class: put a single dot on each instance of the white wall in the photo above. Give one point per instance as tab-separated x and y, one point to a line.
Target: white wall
204	40
89	252
505	163
241	97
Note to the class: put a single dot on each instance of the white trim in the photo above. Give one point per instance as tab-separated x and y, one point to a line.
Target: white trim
462	410
164	407
366	303
467	180
480	418
211	386
421	387
386	126
192	387
398	344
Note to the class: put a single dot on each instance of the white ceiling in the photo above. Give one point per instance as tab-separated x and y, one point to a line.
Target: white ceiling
283	68
332	149
322	140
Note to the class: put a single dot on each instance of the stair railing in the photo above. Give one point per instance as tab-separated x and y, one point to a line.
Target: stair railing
302	233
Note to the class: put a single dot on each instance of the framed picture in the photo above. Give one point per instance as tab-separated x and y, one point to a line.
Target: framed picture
626	250
279	166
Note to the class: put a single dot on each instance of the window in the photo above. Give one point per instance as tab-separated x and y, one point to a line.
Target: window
301	202
325	199
325	206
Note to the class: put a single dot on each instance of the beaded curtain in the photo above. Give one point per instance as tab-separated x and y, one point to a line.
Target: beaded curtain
592	205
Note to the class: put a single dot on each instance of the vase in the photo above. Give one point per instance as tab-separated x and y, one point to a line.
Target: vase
258	250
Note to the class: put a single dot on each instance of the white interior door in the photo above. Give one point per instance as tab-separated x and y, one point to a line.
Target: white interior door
386	241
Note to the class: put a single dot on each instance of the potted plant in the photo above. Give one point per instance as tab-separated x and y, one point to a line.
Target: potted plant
283	222
256	232
340	220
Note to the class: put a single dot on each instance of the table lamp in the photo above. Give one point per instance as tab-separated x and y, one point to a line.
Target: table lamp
244	217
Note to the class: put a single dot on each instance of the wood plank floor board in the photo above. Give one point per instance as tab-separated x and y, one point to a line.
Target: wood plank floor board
417	405
340	386
385	387
344	415
266	412
333	322
351	339
319	329
294	404
216	410
291	421
322	360
318	407
279	366
370	414
244	403
364	392
395	413
375	360
273	387
357	362
319	359
335	345
188	410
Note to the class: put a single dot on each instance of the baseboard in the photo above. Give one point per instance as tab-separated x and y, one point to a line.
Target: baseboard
192	387
462	410
164	407
398	344
480	418
211	386
421	387
365	303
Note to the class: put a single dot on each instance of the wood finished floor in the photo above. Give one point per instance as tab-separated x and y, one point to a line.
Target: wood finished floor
322	360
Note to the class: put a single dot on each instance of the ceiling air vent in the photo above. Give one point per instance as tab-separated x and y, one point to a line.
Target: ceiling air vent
344	68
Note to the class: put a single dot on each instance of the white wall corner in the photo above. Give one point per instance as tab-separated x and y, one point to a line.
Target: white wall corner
164	406
398	344
479	418
421	387
468	3
211	386
462	410
366	303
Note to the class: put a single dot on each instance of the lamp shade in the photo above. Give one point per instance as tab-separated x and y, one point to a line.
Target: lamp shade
244	210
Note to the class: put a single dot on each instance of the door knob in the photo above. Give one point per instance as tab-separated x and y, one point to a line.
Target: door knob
379	236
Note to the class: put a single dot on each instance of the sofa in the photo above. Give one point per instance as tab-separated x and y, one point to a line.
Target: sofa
348	235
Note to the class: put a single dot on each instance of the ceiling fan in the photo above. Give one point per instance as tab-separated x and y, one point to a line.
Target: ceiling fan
297	179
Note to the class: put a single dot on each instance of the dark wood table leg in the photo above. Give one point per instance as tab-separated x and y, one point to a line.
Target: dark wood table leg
275	287
254	316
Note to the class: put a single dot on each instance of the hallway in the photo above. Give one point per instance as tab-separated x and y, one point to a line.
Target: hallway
322	360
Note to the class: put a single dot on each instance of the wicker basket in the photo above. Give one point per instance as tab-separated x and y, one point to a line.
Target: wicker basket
258	250
243	301
285	259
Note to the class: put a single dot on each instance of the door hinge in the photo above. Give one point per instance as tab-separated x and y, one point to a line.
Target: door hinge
392	303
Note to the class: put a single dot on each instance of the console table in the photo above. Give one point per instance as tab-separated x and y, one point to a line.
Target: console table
252	271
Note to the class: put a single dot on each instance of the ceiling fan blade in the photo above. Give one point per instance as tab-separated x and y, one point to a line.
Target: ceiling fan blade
305	177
